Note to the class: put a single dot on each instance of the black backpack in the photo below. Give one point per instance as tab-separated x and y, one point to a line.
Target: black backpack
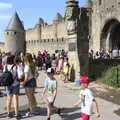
6	79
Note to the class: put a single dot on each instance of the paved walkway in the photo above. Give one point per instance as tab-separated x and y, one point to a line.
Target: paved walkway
65	98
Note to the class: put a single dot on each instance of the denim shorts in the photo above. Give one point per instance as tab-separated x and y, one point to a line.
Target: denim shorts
31	83
13	90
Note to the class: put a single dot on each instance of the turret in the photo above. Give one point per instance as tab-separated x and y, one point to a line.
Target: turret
40	23
57	18
15	35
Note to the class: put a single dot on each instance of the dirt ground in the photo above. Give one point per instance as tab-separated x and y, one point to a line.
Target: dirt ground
108	93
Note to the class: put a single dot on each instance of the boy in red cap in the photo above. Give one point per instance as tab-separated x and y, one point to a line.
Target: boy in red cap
86	100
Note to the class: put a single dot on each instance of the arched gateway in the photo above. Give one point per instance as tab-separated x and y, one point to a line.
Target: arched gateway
110	35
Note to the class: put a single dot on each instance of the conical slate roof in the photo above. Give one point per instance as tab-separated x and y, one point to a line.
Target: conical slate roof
15	23
40	21
58	17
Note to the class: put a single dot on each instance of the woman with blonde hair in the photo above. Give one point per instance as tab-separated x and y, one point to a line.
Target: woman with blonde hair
29	83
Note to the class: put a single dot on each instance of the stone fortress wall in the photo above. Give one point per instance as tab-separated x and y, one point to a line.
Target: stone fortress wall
47	37
2	46
105	16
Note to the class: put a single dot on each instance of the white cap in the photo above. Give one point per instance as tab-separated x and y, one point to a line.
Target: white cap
49	70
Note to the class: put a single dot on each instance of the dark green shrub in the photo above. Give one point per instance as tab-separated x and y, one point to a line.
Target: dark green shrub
112	76
92	77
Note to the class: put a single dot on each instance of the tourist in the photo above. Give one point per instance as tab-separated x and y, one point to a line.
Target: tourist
29	83
101	53
86	100
97	55
50	92
91	53
39	61
119	53
60	64
115	53
48	62
66	67
12	91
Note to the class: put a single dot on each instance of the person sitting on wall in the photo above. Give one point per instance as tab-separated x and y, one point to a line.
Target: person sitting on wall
115	53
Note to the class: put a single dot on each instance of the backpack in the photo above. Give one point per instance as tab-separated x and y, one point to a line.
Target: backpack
6	78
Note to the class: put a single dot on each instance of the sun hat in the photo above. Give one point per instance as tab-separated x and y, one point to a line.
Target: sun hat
50	70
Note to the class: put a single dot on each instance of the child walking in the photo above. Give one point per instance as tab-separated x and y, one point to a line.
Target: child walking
50	92
86	100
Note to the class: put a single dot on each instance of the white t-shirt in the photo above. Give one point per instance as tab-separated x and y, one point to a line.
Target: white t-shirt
20	70
50	85
115	53
86	105
28	71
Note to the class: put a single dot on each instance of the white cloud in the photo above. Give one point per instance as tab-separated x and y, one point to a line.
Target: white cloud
4	17
5	5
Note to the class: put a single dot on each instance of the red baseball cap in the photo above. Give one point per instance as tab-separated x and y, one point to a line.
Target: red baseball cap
84	79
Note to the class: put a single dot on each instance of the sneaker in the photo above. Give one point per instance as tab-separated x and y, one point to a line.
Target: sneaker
35	113
48	118
18	117
28	114
9	115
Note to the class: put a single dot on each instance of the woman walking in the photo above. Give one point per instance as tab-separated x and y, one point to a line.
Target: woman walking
29	83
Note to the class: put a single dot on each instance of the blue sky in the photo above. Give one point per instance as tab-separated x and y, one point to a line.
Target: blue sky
30	10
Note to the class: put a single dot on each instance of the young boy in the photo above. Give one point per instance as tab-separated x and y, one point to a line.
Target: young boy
50	91
86	100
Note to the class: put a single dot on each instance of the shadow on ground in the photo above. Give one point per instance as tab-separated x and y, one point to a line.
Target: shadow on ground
23	110
117	112
67	114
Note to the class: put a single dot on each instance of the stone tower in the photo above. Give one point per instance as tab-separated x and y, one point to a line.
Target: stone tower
38	28
15	35
72	16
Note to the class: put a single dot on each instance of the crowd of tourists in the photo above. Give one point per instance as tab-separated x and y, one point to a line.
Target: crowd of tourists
24	70
103	54
59	61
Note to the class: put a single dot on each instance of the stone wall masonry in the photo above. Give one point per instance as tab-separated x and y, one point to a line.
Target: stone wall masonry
32	34
50	45
14	40
101	13
61	30
2	48
48	32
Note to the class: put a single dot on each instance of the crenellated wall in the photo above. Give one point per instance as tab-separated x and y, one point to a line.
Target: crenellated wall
50	37
103	11
32	34
48	31
62	30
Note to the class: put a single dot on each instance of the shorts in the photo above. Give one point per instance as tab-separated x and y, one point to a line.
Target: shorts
13	90
31	83
49	100
85	116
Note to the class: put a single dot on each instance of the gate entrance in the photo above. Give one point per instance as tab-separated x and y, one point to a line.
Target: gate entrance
110	35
